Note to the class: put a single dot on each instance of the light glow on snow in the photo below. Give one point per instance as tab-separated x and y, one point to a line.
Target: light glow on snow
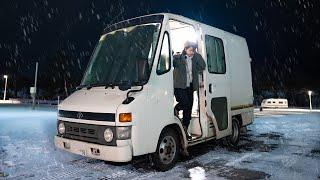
197	173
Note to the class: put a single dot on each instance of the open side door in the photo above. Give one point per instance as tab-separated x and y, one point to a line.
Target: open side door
216	84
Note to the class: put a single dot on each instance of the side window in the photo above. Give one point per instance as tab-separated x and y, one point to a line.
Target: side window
164	62
215	55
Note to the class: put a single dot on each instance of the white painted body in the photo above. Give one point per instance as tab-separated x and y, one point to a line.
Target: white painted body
152	109
274	103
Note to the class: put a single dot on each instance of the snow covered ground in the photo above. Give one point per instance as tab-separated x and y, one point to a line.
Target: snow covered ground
278	145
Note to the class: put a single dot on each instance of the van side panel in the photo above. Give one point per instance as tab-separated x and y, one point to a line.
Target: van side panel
240	71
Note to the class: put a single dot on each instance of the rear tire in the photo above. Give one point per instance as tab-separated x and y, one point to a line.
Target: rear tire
168	150
233	139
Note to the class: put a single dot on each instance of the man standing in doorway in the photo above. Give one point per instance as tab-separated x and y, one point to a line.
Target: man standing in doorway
187	67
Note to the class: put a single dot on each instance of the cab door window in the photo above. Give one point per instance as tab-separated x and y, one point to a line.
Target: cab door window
164	63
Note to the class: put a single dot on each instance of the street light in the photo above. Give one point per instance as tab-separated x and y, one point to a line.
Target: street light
33	90
5	87
310	93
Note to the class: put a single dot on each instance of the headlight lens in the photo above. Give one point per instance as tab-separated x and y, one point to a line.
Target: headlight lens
124	132
108	135
61	128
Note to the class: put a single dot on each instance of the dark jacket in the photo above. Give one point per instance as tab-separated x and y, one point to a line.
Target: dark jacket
180	71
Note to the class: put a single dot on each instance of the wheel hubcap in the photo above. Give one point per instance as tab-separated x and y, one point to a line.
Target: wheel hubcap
167	149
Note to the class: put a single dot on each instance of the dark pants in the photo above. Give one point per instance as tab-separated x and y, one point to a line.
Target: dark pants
184	98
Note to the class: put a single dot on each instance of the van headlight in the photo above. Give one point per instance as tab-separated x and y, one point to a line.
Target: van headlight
108	135
61	128
124	132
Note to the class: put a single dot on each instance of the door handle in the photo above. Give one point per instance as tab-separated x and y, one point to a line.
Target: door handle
210	88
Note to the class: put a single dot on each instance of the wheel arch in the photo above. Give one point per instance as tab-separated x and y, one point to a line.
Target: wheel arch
160	156
238	117
178	129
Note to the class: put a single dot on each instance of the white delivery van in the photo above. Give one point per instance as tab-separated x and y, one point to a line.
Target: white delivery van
124	106
274	103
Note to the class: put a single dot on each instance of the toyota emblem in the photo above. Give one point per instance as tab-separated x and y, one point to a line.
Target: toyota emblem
79	115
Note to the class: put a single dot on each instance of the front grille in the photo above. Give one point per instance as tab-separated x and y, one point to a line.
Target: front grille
91	131
82	130
75	129
110	117
87	132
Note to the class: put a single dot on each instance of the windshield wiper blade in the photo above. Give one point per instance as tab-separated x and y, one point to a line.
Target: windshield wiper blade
89	86
109	85
80	87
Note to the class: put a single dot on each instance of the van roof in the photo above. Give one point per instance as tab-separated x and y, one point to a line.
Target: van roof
176	16
276	99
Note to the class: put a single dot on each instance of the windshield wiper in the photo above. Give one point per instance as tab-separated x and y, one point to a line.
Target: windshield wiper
122	86
89	86
80	87
93	85
109	85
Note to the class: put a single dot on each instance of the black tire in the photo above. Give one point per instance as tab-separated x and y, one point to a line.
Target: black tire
234	138
168	150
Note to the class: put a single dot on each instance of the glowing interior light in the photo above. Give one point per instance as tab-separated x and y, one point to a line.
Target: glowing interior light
180	33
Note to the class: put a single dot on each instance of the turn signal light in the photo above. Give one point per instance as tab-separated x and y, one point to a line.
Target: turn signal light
125	117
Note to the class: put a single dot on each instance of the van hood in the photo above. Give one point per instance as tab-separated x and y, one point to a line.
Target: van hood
99	100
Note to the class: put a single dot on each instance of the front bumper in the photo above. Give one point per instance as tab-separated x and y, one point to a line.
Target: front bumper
103	152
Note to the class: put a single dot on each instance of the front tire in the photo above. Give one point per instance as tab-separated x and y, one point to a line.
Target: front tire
168	150
233	139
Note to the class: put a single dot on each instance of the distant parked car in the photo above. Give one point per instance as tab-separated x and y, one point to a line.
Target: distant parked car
274	103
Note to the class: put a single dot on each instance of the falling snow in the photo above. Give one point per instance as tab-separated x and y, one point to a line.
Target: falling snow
281	34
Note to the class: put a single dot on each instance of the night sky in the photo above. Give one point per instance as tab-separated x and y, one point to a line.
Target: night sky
283	37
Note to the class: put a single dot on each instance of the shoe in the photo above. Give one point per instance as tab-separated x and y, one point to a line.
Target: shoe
176	112
189	138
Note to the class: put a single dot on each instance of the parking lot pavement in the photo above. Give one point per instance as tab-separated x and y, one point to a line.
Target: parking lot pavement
278	145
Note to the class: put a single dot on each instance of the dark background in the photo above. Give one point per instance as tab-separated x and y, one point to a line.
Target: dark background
282	35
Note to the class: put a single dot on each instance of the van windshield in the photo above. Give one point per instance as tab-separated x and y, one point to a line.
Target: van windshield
115	59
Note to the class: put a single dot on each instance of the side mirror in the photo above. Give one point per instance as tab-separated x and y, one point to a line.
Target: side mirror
142	70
